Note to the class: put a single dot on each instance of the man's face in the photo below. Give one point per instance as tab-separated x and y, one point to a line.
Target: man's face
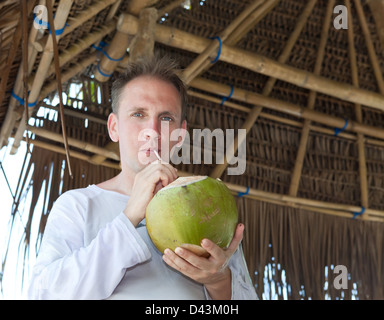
149	110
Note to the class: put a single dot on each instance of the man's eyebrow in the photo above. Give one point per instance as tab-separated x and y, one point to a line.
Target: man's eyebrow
136	109
168	113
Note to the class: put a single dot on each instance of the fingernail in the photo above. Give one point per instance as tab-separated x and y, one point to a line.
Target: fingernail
179	251
204	242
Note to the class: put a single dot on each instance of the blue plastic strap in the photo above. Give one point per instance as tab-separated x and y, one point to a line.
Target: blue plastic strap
242	194
60	31
102	73
228	97
219	51
47	26
356	214
21	101
338	130
100	49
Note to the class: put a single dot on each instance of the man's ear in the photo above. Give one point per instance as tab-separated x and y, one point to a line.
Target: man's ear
113	127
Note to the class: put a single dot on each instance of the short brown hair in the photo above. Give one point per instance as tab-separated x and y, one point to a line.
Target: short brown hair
163	68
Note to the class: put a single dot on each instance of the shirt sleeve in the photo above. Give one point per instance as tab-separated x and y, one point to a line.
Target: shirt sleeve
66	269
242	287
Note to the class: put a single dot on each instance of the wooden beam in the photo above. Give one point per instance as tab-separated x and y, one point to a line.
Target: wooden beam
377	10
142	45
34	39
77	68
286	107
74	154
359	115
282	120
61	17
83	17
74	143
120	42
371	49
5	75
296	174
64	58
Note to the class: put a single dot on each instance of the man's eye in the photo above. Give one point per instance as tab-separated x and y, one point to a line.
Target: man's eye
137	114
166	118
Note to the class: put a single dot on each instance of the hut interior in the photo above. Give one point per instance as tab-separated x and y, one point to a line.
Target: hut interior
298	84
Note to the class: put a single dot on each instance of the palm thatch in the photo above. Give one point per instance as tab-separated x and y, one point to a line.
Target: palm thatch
309	94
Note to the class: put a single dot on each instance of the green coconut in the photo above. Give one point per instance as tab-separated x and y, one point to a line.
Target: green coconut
190	209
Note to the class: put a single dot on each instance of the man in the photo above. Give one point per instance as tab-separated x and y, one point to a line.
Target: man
96	245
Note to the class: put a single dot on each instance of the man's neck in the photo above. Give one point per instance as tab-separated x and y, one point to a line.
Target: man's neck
122	183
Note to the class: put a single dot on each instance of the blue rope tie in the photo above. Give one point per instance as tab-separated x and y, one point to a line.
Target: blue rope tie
102	73
21	101
219	51
100	49
242	194
228	97
356	214
47	26
338	130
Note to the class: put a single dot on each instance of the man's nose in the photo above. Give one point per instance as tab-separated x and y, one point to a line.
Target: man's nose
152	130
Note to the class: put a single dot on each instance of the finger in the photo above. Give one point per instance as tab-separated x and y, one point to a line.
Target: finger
199	262
172	170
178	263
214	250
160	173
166	168
238	236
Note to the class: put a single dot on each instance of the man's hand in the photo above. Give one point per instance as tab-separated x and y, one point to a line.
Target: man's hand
147	182
213	272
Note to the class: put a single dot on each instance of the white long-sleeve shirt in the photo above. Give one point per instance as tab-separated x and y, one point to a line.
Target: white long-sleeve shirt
90	250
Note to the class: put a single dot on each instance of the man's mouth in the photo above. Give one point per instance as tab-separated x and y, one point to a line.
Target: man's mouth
149	152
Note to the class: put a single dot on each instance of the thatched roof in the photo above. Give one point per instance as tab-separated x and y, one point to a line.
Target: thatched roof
309	94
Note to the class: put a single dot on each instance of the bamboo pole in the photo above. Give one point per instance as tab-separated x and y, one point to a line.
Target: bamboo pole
286	107
256	110
83	17
371	49
11	115
142	45
293	123
64	58
249	23
35	41
170	7
59	85
120	42
74	154
73	71
83	44
115	51
296	174
377	9
338	209
74	143
359	114
60	19
257	63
